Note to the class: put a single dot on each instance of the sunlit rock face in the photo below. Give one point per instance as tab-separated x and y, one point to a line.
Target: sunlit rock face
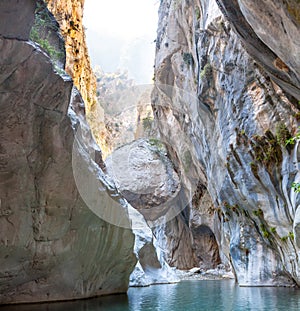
152	267
52	246
236	126
69	14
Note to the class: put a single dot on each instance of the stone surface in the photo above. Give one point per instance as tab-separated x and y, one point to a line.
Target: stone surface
152	267
206	246
144	176
235	118
69	14
148	258
175	238
52	246
269	31
14	12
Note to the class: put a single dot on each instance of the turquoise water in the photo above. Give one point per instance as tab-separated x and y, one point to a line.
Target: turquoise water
184	296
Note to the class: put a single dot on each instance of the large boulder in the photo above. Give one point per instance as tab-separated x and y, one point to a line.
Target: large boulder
145	176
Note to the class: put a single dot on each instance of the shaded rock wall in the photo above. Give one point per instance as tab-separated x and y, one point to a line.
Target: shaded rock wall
269	31
52	246
236	118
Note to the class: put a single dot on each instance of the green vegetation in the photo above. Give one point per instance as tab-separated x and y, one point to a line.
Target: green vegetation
282	134
157	144
265	232
291	140
188	58
197	12
291	235
266	149
44	24
187	160
258	213
296	187
206	71
46	46
147	123
284	238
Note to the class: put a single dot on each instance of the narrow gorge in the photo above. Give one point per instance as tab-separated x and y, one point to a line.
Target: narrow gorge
105	184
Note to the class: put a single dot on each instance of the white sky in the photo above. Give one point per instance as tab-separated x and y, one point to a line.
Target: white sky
120	35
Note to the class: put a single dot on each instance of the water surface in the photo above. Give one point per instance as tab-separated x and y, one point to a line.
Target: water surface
184	296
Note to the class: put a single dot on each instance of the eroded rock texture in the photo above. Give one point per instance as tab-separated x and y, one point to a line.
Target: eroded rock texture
69	14
233	102
269	31
52	246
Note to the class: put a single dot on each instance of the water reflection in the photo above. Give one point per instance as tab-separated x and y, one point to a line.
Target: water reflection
187	296
114	303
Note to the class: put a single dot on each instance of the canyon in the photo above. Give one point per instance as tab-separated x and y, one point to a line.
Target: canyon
218	185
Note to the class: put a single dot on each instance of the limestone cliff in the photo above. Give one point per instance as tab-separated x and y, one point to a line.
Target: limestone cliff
229	106
69	14
52	244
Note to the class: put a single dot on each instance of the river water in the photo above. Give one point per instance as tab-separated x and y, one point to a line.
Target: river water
184	296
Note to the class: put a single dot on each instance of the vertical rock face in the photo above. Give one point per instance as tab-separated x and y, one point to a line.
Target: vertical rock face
269	31
69	14
52	246
237	109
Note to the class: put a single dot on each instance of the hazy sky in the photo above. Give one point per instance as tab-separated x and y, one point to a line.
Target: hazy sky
120	35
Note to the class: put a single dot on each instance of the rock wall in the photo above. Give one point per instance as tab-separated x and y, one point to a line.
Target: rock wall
52	246
235	87
269	32
69	14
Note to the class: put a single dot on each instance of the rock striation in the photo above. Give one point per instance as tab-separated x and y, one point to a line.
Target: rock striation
233	67
269	33
52	246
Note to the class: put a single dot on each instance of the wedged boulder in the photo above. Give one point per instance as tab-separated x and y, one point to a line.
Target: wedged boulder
145	176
